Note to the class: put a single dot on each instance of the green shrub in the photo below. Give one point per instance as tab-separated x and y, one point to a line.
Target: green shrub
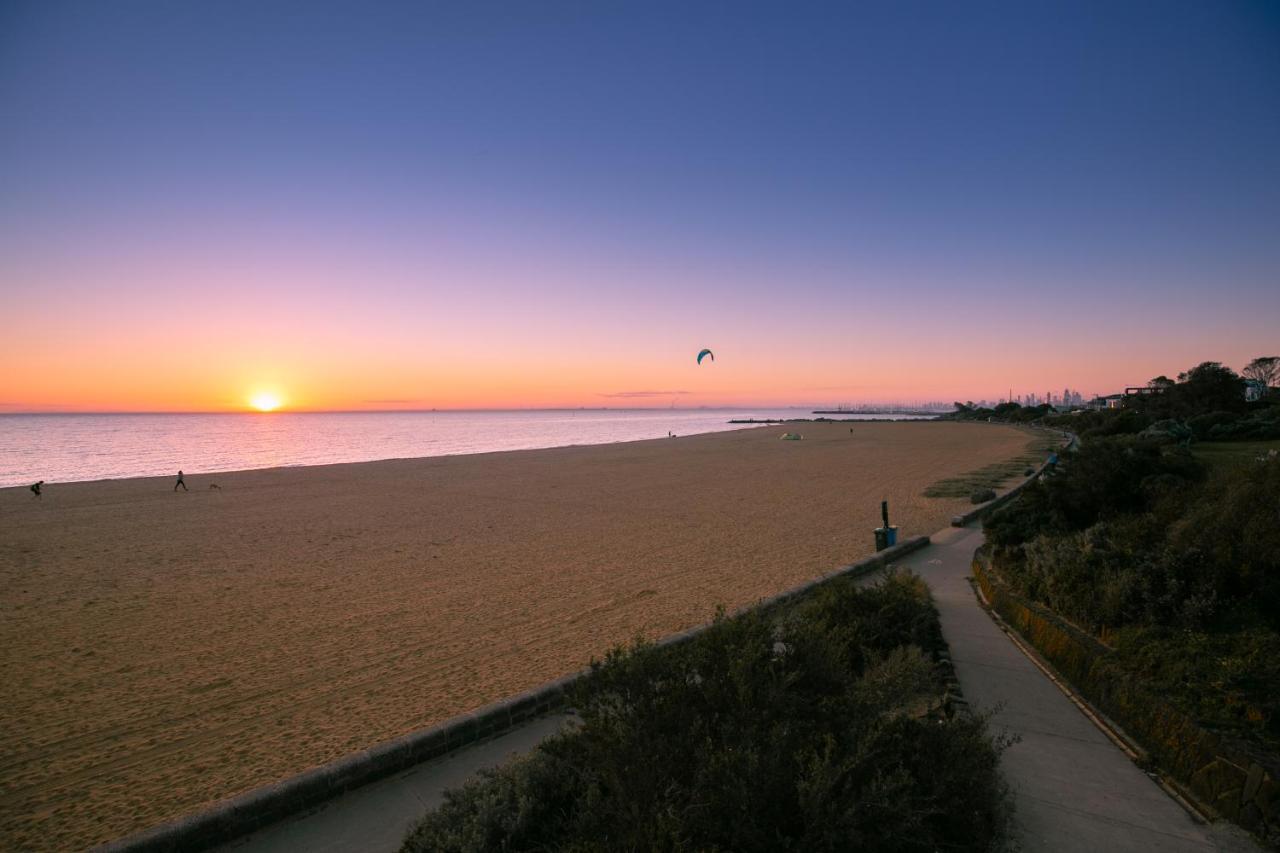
1231	534
1109	478
1105	478
1116	422
1022	519
1170	431
1194	558
1226	680
1262	424
1202	424
797	731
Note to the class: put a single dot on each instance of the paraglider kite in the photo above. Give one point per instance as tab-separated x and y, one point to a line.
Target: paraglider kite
704	354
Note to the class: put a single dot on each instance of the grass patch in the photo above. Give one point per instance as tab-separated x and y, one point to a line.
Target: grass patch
1221	454
996	474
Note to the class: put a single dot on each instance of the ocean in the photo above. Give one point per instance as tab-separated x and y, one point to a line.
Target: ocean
73	447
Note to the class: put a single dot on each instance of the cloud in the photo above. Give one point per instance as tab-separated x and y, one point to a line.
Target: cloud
633	394
36	408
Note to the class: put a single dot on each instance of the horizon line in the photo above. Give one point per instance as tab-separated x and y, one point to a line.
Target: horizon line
739	407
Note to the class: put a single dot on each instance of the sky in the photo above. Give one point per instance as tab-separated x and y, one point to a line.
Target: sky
475	205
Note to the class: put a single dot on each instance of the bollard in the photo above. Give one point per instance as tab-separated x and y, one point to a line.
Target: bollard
886	536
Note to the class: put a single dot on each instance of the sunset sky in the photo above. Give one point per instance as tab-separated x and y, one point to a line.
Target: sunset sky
541	204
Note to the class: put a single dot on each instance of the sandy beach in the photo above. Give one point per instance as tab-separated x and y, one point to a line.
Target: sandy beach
163	650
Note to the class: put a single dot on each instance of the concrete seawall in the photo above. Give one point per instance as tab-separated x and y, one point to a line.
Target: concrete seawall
242	814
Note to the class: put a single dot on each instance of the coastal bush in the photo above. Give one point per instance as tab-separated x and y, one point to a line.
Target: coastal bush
1115	422
1231	533
1261	424
1253	421
1185	583
808	729
1115	574
1169	549
1170	431
1202	424
1226	680
1103	479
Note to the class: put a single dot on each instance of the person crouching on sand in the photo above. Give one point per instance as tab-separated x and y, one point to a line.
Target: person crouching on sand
35	488
180	483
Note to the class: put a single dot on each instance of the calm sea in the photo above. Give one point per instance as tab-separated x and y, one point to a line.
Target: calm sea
63	448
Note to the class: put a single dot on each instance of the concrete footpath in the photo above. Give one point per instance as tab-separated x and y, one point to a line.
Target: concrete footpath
1073	788
377	817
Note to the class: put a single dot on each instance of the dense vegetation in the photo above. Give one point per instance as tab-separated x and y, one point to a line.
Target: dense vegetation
812	729
1174	563
1206	403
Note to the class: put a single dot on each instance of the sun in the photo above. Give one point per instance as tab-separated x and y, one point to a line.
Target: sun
265	401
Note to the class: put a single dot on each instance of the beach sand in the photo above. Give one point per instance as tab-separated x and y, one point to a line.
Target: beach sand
162	651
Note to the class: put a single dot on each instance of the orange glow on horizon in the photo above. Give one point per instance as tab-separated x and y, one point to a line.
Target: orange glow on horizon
313	338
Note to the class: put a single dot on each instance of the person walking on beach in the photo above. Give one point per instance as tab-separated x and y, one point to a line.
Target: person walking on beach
35	488
180	483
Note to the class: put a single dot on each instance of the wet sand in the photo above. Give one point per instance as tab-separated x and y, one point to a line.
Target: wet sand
162	650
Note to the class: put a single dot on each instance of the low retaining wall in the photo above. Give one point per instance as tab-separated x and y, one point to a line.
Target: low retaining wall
965	519
240	815
1222	773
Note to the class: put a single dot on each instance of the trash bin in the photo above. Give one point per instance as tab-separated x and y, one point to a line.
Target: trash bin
891	536
882	538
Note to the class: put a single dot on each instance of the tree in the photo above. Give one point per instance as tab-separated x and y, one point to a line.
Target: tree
1161	383
1207	387
1265	370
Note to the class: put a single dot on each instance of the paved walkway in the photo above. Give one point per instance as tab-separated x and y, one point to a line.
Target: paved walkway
1074	790
377	817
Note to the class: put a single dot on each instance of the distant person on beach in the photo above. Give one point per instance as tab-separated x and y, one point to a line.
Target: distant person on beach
35	488
180	483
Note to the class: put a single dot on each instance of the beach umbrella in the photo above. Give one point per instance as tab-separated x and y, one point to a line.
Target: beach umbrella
704	354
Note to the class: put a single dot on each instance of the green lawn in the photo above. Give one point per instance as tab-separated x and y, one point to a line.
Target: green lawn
1218	453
